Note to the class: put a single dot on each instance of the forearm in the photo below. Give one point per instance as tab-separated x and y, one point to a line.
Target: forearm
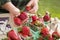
8	6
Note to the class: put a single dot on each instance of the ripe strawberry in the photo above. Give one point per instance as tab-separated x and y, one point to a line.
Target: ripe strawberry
13	35
44	31
34	18
17	21
55	35
23	16
28	8
46	17
25	30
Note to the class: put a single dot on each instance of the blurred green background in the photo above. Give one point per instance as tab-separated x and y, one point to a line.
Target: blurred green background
53	6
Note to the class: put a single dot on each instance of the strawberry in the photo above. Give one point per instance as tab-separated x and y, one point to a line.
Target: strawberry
46	17
28	8
23	16
13	35
17	21
25	30
55	35
34	18
44	31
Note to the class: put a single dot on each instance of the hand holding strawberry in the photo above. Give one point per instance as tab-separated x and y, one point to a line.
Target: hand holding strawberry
23	17
34	6
28	8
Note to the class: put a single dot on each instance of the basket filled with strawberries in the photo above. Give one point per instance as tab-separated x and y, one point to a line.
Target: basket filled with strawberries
32	27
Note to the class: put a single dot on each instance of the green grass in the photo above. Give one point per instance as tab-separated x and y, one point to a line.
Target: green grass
53	6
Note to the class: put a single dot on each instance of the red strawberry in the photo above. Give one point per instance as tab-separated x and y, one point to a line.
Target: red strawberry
23	16
46	17
28	8
44	31
56	35
34	18
25	30
13	35
17	21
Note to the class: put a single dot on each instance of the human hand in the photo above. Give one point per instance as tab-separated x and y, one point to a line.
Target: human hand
15	12
11	8
34	5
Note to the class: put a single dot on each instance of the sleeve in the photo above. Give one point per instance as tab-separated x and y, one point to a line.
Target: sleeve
2	2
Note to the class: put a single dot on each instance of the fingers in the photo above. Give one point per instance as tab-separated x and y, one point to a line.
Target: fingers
15	12
34	9
33	5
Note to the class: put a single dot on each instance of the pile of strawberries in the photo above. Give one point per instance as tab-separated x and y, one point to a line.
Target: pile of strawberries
45	35
23	17
26	30
37	21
